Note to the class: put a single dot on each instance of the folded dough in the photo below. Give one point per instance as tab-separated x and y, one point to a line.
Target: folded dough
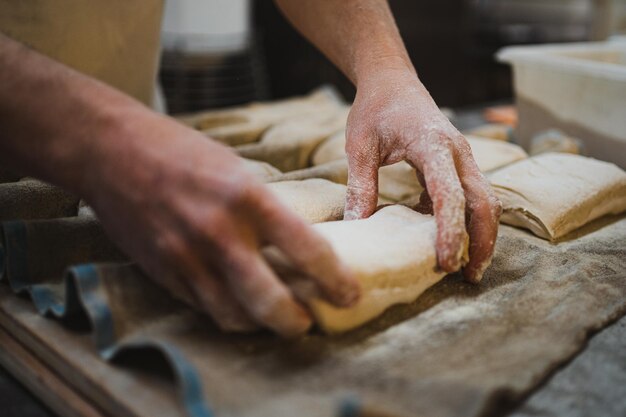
246	124
288	145
398	182
261	170
315	200
335	171
392	254
553	194
491	154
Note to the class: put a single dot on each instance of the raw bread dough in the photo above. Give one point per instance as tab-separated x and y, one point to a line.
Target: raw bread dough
335	171
495	131
398	182
315	200
261	170
246	124
395	182
393	256
553	194
331	149
491	154
288	145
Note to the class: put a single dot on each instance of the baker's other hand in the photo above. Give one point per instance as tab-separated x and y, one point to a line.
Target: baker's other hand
394	118
185	209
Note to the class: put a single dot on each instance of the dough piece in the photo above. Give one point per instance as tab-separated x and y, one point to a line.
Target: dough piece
335	171
553	194
289	144
315	200
392	254
331	149
488	153
495	131
261	170
398	182
246	124
492	154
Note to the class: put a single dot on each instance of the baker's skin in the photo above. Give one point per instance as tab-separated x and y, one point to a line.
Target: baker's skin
183	206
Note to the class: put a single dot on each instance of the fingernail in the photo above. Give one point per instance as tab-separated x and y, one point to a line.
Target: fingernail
349	292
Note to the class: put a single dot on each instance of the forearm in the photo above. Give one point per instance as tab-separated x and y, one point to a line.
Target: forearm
359	36
53	119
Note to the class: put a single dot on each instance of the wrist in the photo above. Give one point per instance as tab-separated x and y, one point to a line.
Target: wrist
383	65
113	149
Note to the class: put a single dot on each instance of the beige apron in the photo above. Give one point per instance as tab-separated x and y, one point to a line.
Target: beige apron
116	41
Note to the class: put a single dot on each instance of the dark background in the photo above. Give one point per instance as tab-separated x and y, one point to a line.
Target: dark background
441	37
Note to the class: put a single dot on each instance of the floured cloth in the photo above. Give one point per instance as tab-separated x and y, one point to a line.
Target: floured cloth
593	384
246	124
554	193
459	350
34	199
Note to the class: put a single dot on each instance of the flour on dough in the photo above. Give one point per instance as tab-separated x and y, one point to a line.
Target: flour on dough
288	145
553	194
315	200
398	182
393	256
246	124
263	171
491	154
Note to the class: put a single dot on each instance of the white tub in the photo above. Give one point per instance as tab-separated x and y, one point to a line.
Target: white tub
578	88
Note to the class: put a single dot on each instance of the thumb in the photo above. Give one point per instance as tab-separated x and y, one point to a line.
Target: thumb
362	196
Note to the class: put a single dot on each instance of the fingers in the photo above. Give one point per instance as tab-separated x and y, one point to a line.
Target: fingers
363	163
425	204
309	252
435	160
483	213
196	284
264	297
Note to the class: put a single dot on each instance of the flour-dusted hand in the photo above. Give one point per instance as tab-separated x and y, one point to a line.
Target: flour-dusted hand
181	205
394	119
186	210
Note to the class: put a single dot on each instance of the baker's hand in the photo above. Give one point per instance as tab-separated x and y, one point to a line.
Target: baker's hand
186	210
393	119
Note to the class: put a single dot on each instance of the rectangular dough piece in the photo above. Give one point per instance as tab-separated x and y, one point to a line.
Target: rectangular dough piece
315	200
553	194
398	182
393	256
245	124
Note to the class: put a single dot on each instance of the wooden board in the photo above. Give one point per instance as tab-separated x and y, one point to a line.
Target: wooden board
74	381
46	384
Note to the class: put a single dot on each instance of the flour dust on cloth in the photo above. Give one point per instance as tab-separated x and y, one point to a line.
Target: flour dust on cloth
114	41
398	182
555	193
392	254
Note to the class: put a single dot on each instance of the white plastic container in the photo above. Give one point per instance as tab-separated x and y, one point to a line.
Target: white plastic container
578	88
